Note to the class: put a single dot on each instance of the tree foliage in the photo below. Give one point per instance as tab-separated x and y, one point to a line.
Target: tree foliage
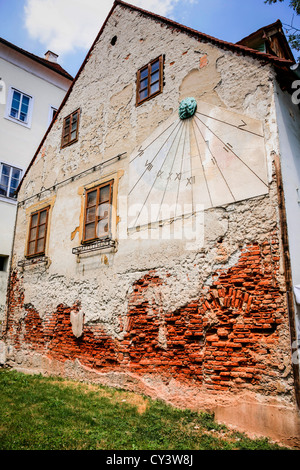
294	4
292	32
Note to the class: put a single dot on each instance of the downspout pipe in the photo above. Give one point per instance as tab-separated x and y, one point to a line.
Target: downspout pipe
296	70
288	276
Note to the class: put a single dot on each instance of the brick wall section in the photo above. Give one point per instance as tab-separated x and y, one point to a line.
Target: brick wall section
226	338
249	306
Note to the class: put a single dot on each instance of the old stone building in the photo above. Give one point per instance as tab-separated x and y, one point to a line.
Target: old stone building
155	249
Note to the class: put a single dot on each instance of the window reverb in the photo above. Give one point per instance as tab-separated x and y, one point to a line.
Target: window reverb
70	129
52	114
19	106
37	232
9	180
97	217
149	80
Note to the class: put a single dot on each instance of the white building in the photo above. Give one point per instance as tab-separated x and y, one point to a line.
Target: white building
31	90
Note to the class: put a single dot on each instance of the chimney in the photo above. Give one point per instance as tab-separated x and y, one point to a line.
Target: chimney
51	56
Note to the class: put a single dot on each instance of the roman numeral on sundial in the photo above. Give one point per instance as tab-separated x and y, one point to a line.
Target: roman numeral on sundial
148	165
190	180
140	152
228	147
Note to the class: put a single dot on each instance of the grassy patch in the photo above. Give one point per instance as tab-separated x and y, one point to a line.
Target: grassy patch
43	413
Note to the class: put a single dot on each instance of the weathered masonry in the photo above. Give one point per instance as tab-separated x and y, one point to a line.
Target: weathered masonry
156	237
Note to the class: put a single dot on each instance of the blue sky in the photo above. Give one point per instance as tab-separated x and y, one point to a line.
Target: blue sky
68	27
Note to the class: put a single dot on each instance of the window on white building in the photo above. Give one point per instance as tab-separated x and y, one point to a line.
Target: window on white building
52	113
9	179
19	107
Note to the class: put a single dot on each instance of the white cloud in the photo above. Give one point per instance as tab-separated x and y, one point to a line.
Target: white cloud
66	25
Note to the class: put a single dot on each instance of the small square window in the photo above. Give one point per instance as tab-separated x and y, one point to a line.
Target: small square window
70	129
9	180
149	80
97	217
20	107
3	263
37	233
52	114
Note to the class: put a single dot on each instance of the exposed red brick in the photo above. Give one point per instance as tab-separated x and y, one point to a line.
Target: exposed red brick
247	303
203	61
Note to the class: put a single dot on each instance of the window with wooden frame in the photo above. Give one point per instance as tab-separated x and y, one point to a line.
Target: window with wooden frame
37	232
70	129
149	80
97	215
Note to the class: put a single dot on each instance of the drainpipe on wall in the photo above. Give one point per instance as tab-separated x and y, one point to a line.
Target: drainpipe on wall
296	69
288	275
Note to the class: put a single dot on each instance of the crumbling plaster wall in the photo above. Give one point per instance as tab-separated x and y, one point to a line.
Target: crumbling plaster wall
102	287
105	92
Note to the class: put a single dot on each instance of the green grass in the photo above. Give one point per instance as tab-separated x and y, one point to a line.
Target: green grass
43	413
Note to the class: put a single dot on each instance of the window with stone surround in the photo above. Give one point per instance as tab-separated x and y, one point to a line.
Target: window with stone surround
37	232
97	215
149	80
70	129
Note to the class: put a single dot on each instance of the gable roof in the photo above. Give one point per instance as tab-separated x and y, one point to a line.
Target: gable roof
50	65
237	48
272	38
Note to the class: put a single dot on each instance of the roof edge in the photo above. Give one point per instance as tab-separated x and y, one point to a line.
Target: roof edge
38	59
223	44
278	24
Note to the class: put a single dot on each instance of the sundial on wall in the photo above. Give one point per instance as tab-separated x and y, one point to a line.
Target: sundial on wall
203	156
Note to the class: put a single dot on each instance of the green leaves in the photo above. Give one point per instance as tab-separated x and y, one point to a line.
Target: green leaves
292	31
294	4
